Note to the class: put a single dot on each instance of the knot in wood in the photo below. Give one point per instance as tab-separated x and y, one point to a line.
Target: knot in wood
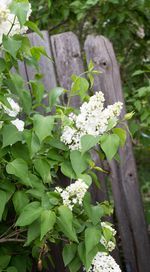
75	55
103	62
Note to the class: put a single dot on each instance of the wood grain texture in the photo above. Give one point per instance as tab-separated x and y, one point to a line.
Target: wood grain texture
68	61
67	56
46	65
125	187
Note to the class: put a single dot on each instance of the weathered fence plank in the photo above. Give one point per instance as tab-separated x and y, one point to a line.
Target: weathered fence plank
68	61
65	49
46	65
124	178
67	56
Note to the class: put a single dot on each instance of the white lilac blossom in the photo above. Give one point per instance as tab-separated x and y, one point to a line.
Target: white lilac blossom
107	226
140	32
109	245
93	119
104	263
13	112
73	194
15	109
7	19
19	124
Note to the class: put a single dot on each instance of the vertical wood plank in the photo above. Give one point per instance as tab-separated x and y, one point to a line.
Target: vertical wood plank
67	55
46	65
124	178
68	61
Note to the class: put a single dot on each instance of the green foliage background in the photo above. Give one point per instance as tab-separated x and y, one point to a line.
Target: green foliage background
119	20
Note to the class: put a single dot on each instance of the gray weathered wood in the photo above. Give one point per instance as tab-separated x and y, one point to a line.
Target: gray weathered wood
46	65
125	187
68	61
67	55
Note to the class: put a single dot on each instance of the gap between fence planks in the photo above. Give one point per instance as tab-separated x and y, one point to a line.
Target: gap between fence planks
65	49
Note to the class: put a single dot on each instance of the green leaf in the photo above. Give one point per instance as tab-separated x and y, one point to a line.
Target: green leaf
20	9
121	133
65	223
86	178
32	141
18	167
54	95
138	72
4	261
20	150
18	82
34	28
69	252
11	45
79	86
90	66
38	90
8	187
82	252
26	101
67	170
3	198
43	126
11	269
38	51
10	135
53	197
94	212
75	265
20	262
33	232
58	144
43	168
20	200
3	65
110	144
48	219
92	239
78	162
87	142
29	214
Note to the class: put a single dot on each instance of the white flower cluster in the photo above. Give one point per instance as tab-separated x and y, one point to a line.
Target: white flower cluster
93	119
109	245
15	109
13	112
73	194
7	19
104	263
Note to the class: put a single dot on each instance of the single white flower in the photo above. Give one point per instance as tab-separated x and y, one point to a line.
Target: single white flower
19	124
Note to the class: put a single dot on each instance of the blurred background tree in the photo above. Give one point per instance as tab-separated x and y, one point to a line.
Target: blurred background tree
127	24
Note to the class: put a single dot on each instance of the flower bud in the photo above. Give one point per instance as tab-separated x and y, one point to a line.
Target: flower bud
129	115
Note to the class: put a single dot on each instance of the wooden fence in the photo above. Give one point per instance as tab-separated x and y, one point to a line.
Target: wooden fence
65	50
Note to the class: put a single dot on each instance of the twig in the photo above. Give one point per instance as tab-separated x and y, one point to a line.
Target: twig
5	240
58	25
